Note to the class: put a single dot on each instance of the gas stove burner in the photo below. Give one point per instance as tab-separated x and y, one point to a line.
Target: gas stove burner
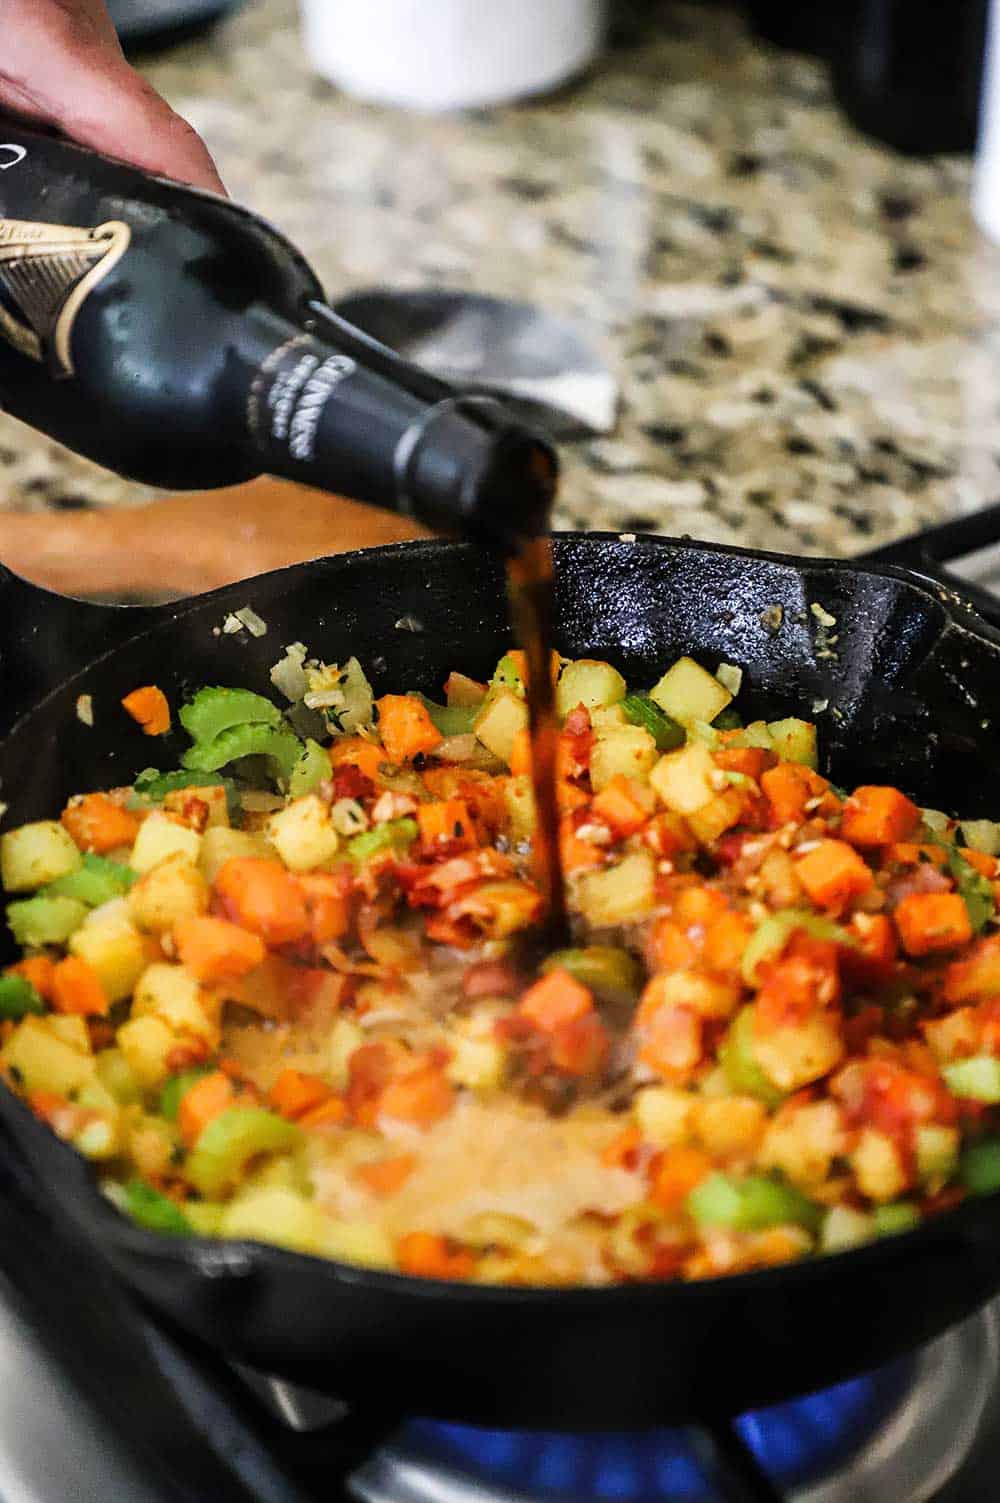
897	1434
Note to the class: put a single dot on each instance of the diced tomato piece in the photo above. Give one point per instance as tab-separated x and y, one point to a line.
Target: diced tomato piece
580	1046
803	982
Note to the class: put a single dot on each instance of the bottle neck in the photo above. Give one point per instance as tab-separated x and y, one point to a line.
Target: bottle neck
324	404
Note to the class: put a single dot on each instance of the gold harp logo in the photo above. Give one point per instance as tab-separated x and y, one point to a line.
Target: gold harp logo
47	272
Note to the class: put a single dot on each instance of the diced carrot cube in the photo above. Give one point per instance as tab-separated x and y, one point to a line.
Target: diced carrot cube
929	922
669	835
675	1174
98	824
76	988
874	952
725	940
672	1042
622	806
295	1092
424	1255
906	853
751	761
421	1097
355	751
261	895
623	1150
214	950
208	1098
331	1113
977	975
671	947
328	904
875	816
696	907
577	855
149	708
789	787
569	797
555	999
833	873
446	822
385	1176
579	1046
405	727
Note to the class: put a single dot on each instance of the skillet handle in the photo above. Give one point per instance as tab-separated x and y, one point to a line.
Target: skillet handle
929	552
46	638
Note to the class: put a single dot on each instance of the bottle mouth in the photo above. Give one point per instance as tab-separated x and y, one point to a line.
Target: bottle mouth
468	466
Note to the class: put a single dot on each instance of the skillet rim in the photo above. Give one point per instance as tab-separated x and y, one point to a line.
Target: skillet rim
221	1259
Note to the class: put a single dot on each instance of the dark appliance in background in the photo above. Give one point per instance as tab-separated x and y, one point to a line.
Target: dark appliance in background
156	23
908	72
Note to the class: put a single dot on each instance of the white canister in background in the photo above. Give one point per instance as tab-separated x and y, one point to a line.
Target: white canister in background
986	178
451	54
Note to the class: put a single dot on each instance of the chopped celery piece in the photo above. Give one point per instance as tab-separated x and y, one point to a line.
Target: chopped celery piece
748	1205
898	1216
309	771
178	1086
213	711
450	720
975	1079
728	720
156	1212
394	835
641	710
843	1227
18	997
771	935
97	881
981	835
45	920
282	748
228	1143
506	675
611	974
739	1063
975	889
979	1169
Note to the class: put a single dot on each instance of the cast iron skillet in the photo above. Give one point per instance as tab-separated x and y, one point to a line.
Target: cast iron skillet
912	694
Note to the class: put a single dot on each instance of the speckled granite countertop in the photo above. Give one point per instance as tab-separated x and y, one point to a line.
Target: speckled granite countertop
806	327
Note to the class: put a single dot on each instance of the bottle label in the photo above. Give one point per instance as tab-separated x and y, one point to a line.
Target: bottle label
47	272
289	392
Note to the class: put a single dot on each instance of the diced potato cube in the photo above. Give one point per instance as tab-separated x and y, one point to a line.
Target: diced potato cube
802	1142
116	950
498	722
303	835
719	815
730	1127
150	1142
689	692
937	1151
213	798
160	837
877	1166
796	1055
794	740
146	1042
360	1242
218	845
607	718
345	1037
683	779
664	1115
172	994
273	1213
754	734
478	1063
115	1074
35	854
99	1138
843	1227
630	751
41	1061
619	894
589	683
71	1029
520	801
171	890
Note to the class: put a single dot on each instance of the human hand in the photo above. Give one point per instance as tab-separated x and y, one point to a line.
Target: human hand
61	65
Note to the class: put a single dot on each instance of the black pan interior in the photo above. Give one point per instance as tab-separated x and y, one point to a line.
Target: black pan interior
905	687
